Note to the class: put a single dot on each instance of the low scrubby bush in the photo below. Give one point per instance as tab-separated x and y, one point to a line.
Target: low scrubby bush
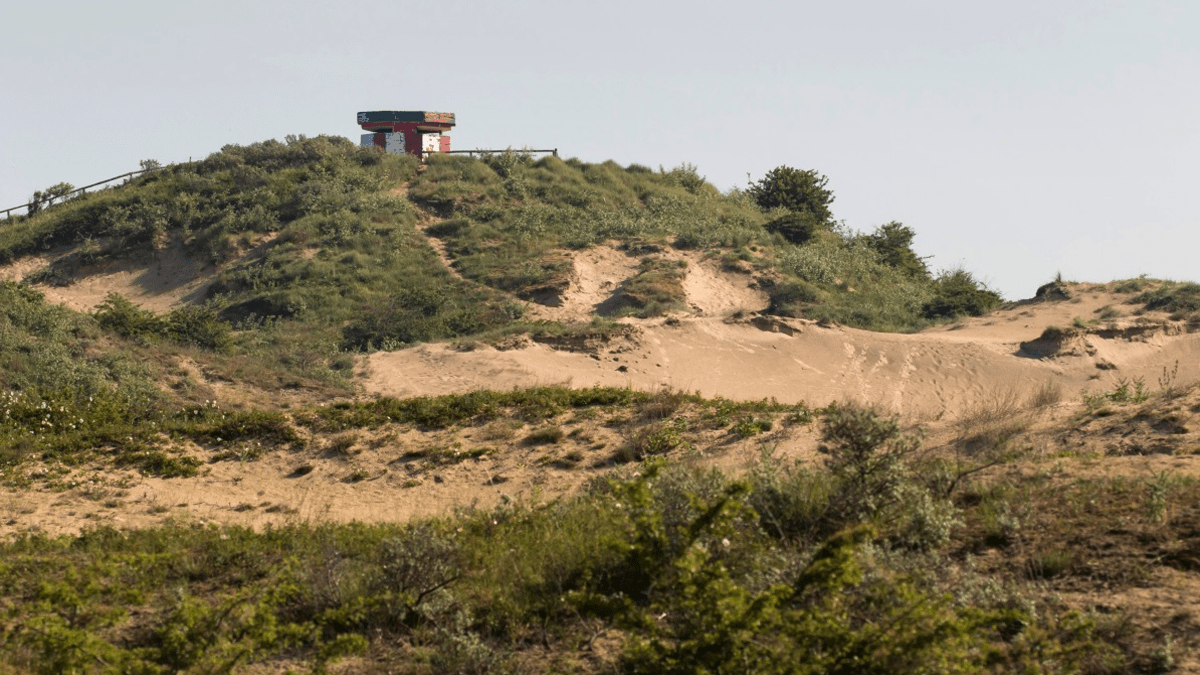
871	476
435	311
957	293
195	326
798	227
1180	298
794	298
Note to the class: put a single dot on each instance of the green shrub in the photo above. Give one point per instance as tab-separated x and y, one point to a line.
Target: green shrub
441	412
794	190
751	426
200	327
687	176
506	162
798	227
893	243
196	326
1172	297
870	477
152	462
1125	391
794	298
687	607
1133	285
790	499
430	312
957	293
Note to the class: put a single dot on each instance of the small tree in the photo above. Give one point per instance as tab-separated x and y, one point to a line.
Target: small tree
35	202
795	190
43	198
893	243
59	192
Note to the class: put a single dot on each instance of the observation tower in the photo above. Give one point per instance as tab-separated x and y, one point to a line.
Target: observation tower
415	132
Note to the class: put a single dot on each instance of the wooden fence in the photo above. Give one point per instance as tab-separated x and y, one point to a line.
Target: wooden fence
86	187
553	151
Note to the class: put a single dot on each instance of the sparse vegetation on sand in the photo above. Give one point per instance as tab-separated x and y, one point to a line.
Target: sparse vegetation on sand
882	552
679	568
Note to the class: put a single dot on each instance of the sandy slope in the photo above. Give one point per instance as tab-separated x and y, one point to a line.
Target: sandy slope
936	373
160	281
943	379
722	347
931	374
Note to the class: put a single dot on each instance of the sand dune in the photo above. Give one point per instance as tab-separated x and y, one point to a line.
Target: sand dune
724	346
938	372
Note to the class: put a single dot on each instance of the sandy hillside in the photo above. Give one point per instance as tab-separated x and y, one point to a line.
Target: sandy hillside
159	281
723	346
956	384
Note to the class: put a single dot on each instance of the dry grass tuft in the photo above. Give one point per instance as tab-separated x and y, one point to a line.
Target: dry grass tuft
1048	394
663	404
990	425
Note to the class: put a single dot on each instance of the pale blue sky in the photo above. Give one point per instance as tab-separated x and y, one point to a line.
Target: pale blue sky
1019	139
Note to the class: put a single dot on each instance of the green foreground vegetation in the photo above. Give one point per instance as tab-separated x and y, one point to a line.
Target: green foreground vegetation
839	568
862	562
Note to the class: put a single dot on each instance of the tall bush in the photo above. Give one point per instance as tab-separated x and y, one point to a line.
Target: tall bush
958	293
795	190
893	243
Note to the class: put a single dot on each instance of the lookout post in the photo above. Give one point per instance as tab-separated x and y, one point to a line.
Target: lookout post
415	132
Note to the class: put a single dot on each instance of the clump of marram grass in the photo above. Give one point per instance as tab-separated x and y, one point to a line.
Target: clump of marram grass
547	435
1047	394
1178	298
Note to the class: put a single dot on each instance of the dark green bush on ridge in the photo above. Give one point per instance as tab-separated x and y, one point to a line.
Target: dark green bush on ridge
795	190
798	227
794	298
893	243
957	293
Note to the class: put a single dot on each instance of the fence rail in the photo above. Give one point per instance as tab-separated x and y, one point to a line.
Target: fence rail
553	151
7	211
86	187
